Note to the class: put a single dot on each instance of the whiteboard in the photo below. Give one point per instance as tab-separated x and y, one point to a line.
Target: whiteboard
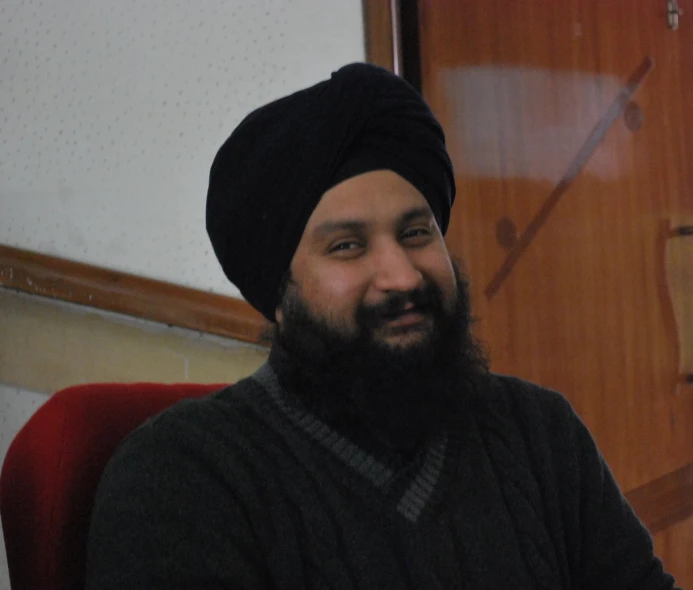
111	112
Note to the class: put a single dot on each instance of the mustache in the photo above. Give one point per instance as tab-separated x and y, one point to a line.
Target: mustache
428	299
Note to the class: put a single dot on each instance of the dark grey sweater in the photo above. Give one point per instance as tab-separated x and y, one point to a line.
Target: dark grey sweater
245	489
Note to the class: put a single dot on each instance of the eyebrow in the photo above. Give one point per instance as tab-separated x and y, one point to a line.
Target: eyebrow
414	214
356	226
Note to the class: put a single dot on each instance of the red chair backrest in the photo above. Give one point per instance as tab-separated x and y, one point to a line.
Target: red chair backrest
53	467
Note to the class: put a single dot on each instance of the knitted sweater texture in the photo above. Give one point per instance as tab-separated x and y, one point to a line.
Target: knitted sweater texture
245	489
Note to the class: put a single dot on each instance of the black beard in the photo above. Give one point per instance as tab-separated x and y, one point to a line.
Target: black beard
401	395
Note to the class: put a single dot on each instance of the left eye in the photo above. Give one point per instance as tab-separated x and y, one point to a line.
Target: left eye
345	246
415	232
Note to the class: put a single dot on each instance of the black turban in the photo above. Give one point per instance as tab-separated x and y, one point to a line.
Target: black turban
271	172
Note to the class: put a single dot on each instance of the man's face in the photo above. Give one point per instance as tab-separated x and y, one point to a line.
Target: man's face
370	252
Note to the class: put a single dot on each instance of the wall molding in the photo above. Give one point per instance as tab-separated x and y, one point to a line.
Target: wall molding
158	301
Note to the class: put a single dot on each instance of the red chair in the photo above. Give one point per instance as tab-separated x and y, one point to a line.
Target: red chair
52	469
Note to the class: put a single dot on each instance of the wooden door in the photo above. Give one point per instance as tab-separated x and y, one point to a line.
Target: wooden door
570	125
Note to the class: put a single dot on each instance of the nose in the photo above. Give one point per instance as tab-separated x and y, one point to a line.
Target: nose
394	270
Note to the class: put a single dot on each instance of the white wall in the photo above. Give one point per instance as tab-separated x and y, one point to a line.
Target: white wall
111	112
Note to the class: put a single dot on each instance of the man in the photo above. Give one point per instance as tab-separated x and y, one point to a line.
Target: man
375	449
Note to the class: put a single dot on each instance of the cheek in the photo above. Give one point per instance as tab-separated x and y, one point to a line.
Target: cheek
333	289
439	268
448	274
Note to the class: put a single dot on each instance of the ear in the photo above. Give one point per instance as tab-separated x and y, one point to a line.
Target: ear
279	315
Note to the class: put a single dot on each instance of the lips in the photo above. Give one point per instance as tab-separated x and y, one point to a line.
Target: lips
408	316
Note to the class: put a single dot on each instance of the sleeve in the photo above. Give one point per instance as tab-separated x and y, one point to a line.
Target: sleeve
613	549
165	517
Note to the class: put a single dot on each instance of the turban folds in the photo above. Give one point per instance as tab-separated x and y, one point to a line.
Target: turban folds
269	175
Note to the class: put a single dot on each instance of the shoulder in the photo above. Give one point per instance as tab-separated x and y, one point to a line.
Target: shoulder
183	482
525	400
230	406
542	432
205	428
197	447
538	419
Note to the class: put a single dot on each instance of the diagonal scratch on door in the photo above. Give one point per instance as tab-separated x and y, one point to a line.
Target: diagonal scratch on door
579	162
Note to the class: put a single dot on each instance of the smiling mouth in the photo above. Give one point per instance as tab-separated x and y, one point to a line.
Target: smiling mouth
407	318
411	316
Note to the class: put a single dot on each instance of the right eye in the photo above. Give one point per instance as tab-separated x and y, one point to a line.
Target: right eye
349	246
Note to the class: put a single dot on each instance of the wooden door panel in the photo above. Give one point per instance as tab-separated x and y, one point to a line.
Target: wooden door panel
677	544
570	125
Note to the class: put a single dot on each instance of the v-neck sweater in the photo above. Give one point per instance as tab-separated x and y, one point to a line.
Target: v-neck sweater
247	489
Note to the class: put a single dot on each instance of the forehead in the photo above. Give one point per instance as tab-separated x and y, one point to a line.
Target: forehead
378	196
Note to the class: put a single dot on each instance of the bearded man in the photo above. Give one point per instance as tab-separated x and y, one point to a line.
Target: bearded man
375	449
